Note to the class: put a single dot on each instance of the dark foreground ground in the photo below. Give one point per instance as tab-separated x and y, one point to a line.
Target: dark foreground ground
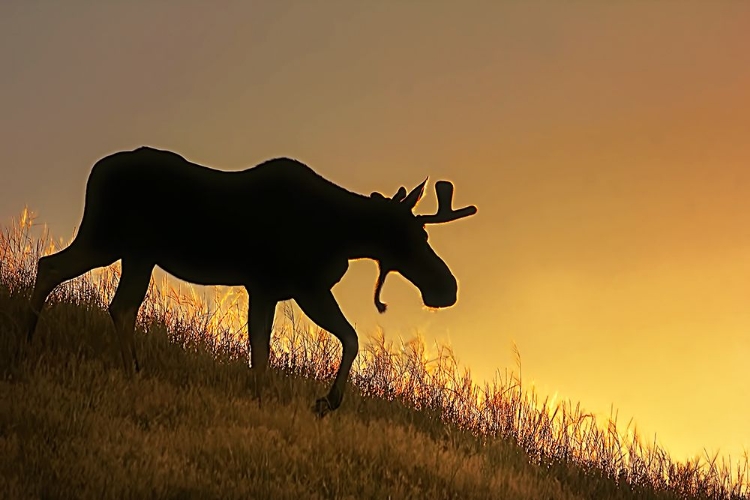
72	426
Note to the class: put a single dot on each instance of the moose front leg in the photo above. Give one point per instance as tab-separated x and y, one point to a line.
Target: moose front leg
321	308
261	312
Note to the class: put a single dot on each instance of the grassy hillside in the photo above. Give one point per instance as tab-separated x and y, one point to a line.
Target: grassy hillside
189	425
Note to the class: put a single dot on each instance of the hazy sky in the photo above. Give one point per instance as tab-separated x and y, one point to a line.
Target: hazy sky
606	145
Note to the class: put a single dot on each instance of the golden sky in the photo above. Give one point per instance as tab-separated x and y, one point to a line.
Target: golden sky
605	144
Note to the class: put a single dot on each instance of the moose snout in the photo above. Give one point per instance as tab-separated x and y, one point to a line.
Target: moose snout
444	294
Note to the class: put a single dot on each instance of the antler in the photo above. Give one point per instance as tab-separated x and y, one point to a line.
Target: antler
445	213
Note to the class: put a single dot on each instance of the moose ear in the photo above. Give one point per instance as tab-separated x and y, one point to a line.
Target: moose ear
376	195
413	197
400	194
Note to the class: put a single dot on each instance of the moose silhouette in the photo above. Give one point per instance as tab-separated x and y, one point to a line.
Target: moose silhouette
278	229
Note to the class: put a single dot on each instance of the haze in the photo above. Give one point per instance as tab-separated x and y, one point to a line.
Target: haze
605	144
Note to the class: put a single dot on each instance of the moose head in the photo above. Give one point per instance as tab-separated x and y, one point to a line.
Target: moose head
408	251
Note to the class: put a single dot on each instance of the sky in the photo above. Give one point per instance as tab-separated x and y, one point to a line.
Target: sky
604	143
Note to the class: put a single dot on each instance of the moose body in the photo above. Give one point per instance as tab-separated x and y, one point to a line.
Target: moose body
278	229
275	227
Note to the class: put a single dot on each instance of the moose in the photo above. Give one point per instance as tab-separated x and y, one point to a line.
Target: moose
278	229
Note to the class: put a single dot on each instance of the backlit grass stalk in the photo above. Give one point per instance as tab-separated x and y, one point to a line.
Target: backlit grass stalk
551	432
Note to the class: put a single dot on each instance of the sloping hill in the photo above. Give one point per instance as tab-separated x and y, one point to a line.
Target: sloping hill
188	427
192	424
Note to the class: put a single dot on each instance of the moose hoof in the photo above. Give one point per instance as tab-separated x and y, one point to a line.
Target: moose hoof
322	407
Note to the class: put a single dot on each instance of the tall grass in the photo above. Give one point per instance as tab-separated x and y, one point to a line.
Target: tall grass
427	388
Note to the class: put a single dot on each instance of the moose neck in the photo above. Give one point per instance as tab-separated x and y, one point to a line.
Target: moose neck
366	232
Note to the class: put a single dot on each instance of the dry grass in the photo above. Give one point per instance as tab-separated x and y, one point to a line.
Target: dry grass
413	424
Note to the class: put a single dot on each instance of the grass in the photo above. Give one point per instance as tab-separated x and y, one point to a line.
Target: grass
413	424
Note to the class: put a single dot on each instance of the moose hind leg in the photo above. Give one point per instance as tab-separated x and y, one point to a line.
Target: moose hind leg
55	269
322	309
131	290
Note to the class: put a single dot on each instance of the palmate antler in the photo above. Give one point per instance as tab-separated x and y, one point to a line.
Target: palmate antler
444	191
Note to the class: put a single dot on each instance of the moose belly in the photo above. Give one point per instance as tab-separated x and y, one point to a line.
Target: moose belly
280	276
208	274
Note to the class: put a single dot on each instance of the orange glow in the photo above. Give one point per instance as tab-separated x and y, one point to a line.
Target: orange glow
606	144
